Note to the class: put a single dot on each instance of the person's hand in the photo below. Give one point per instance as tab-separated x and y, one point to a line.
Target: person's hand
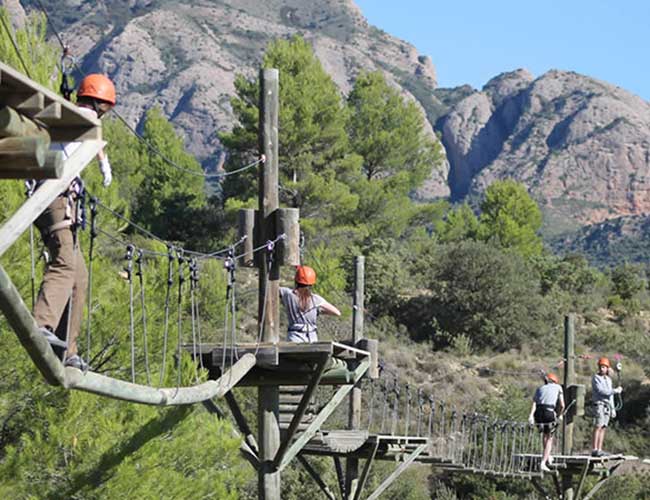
560	418
107	173
531	420
618	390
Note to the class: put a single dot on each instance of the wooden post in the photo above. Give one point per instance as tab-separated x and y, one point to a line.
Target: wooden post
569	379
269	281
354	416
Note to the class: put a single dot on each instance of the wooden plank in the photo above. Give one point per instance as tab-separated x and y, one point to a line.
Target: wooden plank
50	114
31	103
15	83
75	133
316	477
46	194
397	472
322	416
135	393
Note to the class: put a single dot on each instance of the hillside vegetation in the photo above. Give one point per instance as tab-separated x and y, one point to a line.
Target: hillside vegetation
467	304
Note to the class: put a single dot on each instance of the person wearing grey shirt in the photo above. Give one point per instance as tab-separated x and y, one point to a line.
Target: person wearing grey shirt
542	413
303	306
602	398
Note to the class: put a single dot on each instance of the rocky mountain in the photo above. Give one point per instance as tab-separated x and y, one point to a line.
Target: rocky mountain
582	146
183	56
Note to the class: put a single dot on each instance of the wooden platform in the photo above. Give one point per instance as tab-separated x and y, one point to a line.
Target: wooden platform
62	119
576	464
286	363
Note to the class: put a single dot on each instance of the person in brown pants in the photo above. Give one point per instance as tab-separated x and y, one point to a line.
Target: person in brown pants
59	308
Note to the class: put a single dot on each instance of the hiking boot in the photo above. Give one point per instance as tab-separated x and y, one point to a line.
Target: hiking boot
77	362
597	453
52	338
543	467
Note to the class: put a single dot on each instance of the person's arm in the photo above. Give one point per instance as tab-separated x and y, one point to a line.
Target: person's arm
327	308
105	167
531	417
561	402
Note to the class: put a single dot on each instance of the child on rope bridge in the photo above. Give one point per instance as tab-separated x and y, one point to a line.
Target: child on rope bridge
542	413
59	308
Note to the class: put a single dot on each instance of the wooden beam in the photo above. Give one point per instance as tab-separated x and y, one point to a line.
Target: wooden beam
241	422
250	455
50	114
397	472
135	393
22	322
46	194
340	476
30	104
322	416
60	133
581	481
51	169
366	470
600	483
316	477
14	83
300	411
23	152
13	124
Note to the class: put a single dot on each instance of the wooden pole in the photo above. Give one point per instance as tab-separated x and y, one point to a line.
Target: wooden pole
269	281
13	124
354	416
569	380
23	152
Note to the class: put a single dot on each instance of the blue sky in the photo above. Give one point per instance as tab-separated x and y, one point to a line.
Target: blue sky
471	41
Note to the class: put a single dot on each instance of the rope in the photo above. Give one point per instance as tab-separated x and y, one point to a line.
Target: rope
129	276
143	305
193	279
181	280
170	282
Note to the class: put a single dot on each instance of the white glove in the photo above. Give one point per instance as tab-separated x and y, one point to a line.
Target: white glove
618	390
531	420
107	173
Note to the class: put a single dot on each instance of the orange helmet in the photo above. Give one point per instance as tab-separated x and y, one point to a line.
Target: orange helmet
99	87
553	378
604	362
305	275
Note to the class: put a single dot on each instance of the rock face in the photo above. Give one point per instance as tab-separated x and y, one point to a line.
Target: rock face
581	146
183	56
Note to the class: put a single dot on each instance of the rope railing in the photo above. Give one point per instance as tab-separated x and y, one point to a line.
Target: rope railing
460	438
